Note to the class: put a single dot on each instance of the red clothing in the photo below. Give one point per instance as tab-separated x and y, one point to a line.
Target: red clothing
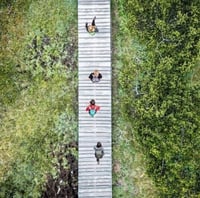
97	108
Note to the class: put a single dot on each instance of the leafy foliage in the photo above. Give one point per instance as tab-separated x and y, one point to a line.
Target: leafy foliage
29	130
40	84
129	166
165	116
64	181
11	41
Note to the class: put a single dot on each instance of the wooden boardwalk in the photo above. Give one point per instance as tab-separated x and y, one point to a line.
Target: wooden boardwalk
94	53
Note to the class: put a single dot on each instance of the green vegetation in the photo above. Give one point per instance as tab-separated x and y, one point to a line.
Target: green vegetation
38	98
160	65
129	163
156	98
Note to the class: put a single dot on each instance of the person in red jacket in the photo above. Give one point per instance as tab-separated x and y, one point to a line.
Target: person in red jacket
92	108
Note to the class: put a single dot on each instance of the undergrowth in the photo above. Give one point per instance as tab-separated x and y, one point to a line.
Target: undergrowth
38	116
129	165
159	93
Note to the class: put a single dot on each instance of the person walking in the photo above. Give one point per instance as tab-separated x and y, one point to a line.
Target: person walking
99	151
92	28
92	108
95	76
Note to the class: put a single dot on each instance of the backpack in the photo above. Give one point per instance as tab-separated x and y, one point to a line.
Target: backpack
98	153
92	112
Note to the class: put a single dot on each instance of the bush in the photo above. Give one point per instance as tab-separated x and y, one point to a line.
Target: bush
165	116
35	119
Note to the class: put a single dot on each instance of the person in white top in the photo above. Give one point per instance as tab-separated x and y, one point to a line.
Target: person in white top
95	76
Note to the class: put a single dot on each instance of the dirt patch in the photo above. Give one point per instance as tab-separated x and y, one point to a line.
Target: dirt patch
116	167
65	183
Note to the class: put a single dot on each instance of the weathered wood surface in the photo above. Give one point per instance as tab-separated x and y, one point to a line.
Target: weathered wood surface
94	53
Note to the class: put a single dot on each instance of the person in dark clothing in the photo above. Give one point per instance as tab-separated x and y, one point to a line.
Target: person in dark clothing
95	76
92	108
91	28
99	151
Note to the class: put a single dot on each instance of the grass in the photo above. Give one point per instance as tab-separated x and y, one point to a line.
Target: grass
44	110
39	110
129	176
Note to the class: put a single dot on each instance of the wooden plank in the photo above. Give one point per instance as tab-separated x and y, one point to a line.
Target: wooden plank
94	53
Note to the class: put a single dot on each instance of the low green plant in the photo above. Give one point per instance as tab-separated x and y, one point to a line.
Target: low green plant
164	117
130	178
35	118
33	126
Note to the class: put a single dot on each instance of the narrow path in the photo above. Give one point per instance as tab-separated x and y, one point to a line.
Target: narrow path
94	53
